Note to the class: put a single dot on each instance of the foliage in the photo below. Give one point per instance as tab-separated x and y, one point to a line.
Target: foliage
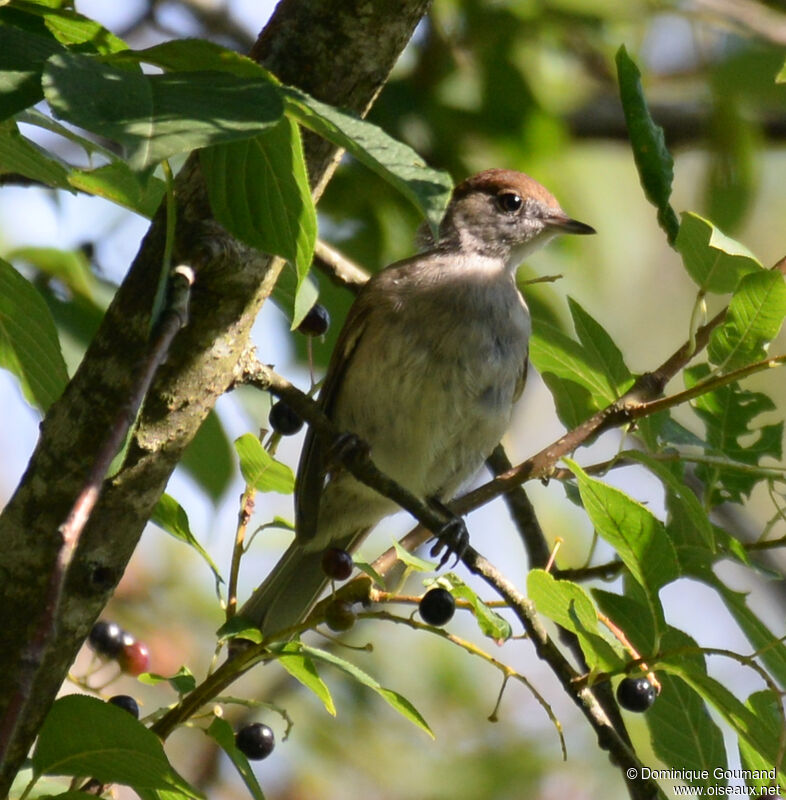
247	127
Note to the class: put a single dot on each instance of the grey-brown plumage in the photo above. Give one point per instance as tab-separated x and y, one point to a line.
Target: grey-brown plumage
428	365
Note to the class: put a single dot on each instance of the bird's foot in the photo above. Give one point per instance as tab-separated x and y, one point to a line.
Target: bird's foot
344	446
453	537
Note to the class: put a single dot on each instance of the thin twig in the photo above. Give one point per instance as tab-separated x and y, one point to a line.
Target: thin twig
340	269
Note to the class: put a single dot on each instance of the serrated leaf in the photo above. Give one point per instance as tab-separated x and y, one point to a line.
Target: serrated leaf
393	699
635	533
715	261
115	182
82	735
754	319
683	734
428	189
653	160
20	156
568	605
29	345
156	116
490	623
259	191
171	517
260	469
302	668
221	732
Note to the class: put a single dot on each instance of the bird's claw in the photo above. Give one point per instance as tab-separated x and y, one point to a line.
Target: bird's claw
454	538
343	446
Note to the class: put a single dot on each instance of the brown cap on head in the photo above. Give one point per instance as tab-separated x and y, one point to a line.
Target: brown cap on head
500	181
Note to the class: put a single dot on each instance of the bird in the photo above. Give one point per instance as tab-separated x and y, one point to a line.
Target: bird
426	370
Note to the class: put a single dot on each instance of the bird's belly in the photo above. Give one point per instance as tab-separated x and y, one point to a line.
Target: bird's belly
432	413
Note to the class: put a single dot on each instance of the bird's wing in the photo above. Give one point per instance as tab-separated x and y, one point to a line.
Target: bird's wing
312	466
522	379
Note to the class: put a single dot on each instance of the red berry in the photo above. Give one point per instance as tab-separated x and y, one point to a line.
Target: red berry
337	563
135	657
437	606
255	741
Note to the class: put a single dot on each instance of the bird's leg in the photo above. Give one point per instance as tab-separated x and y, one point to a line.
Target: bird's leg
453	536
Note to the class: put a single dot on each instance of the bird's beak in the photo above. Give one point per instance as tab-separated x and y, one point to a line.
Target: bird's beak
564	224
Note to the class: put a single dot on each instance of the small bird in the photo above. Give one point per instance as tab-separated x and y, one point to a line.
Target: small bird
428	365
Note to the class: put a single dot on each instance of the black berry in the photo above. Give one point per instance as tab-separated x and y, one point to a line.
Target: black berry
316	322
283	419
635	694
106	638
134	658
255	741
125	702
337	563
437	606
340	616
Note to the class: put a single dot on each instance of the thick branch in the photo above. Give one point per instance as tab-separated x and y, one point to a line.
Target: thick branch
341	52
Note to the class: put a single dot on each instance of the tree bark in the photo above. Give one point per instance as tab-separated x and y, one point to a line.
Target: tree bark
340	51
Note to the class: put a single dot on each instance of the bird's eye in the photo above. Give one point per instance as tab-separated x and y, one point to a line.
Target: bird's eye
509	202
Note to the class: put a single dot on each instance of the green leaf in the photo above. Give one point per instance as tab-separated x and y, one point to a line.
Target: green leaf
754	318
412	561
115	182
260	469
156	116
394	699
679	494
183	681
70	267
653	160
770	648
716	262
728	413
683	734
221	732
570	606
630	612
766	707
634	532
208	458
428	189
171	516
20	156
259	191
73	29
601	351
490	623
85	736
22	56
294	299
29	347
301	667
240	628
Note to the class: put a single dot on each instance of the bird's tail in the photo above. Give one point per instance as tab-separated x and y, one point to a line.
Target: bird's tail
291	589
